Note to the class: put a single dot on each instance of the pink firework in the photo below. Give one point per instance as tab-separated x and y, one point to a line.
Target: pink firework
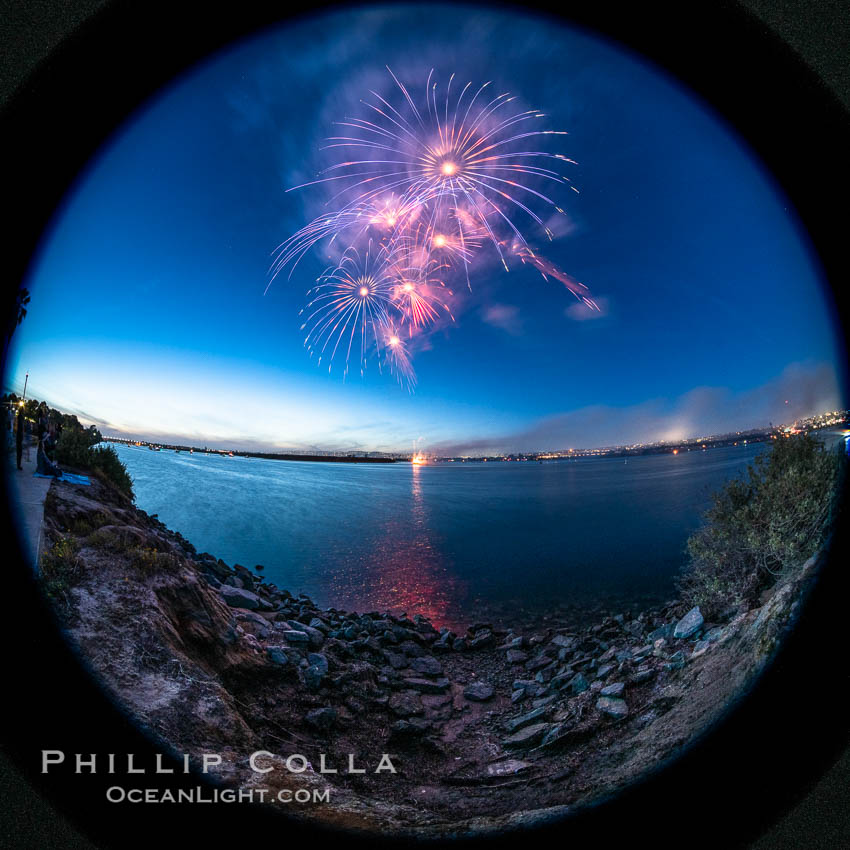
425	185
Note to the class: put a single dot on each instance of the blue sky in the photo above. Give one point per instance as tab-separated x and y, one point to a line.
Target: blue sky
148	313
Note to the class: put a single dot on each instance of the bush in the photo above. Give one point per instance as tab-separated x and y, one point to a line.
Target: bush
60	569
77	448
105	460
764	525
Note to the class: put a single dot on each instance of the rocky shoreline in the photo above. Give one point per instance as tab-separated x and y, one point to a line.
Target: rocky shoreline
487	728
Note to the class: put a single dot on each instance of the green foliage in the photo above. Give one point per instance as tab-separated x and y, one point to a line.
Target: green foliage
78	448
148	560
764	525
106	463
60	568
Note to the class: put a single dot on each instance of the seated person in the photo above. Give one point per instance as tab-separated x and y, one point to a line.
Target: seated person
45	465
50	440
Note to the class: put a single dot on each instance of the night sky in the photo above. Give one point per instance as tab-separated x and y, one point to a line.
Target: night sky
148	314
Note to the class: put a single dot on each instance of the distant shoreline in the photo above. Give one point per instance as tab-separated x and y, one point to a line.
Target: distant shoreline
817	424
261	455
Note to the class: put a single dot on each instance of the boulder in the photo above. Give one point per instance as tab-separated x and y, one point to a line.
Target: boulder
236	597
427	665
578	684
527	737
277	655
689	625
517	723
478	691
295	636
317	670
508	767
613	707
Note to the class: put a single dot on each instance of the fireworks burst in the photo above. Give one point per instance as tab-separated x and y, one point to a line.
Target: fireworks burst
349	307
425	185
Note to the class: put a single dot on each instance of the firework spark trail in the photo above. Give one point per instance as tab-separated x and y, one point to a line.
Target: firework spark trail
426	187
351	301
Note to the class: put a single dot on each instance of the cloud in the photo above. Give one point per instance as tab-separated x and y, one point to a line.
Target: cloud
504	317
801	390
582	312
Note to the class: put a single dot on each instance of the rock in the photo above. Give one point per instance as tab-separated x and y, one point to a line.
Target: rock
315	637
509	767
478	691
413	726
459	644
715	634
613	707
528	736
427	665
482	639
317	670
557	734
322	718
294	636
276	655
615	690
644	674
395	659
661	633
578	684
562	679
689	625
677	661
406	704
412	649
538	662
517	723
426	686
516	656
564	642
444	644
604	671
235	597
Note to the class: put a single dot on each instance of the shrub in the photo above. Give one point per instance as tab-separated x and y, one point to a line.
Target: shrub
60	568
77	448
74	447
764	525
148	560
105	460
